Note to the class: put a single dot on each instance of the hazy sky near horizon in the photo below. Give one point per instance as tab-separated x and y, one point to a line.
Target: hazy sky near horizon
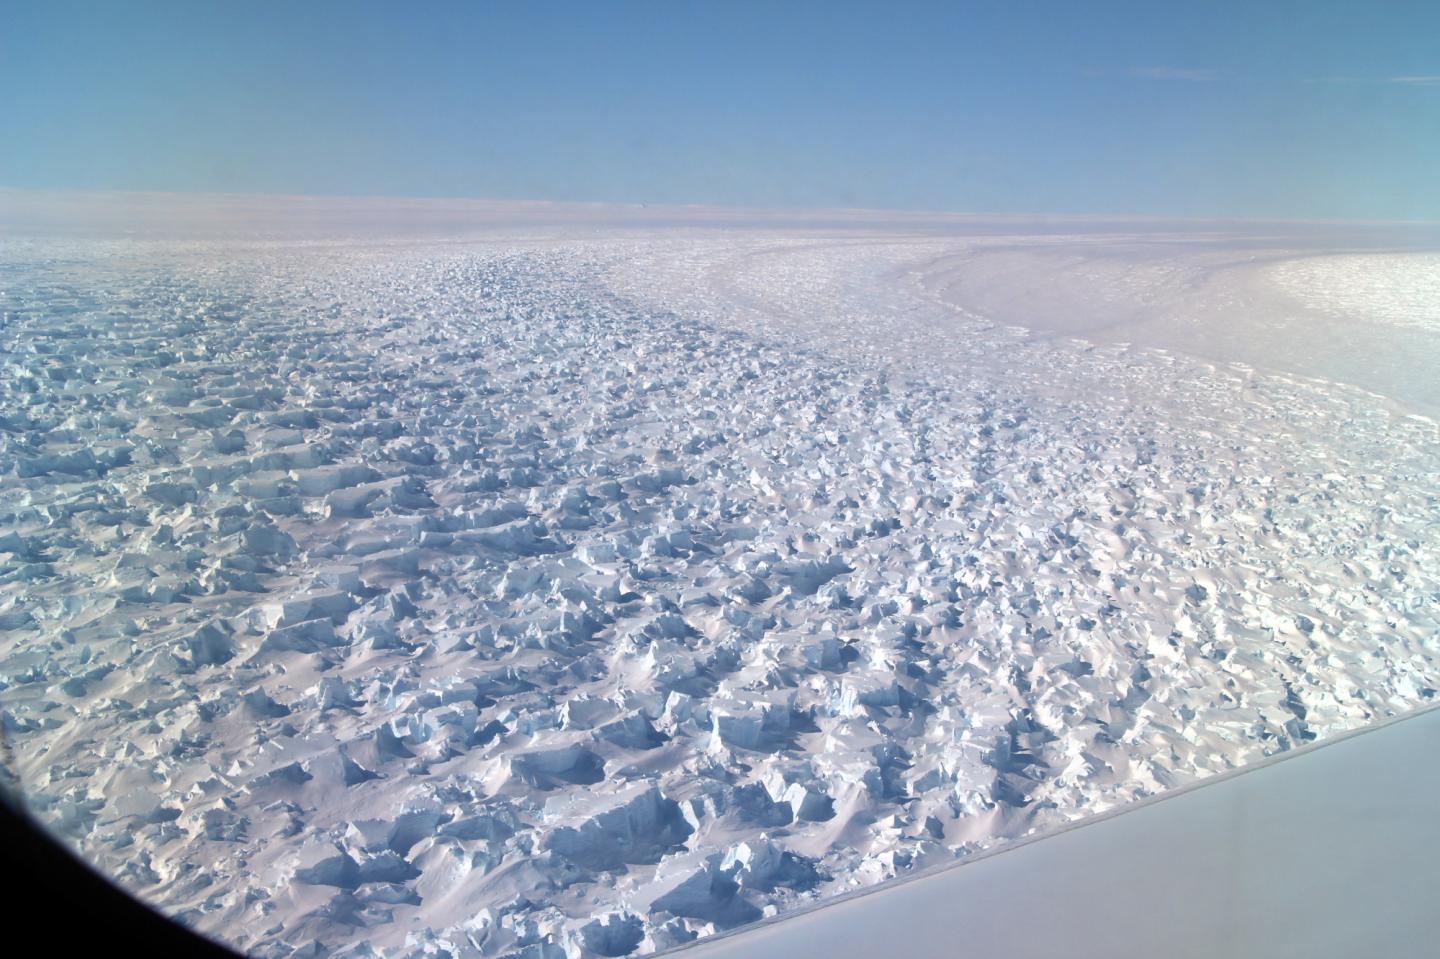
1272	109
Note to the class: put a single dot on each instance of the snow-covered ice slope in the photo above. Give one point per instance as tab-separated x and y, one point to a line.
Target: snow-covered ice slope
579	596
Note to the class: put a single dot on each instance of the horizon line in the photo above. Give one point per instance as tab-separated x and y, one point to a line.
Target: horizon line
724	209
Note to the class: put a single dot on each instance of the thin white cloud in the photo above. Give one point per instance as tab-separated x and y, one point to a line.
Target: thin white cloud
1174	73
1410	80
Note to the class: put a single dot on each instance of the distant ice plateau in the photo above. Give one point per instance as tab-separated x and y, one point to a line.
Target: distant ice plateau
577	592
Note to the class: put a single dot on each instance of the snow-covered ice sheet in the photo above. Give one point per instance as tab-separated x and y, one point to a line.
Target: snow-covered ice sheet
580	596
1321	852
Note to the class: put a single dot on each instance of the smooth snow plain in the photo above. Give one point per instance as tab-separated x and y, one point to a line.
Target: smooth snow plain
583	589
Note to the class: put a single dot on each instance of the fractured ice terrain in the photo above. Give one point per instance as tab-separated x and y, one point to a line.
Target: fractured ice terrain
581	598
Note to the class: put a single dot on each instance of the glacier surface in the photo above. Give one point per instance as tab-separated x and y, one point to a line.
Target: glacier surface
584	595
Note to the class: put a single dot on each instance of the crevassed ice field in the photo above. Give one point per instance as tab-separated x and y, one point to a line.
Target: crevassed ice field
582	595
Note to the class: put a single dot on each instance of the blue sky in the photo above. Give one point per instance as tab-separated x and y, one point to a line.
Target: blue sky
1265	109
